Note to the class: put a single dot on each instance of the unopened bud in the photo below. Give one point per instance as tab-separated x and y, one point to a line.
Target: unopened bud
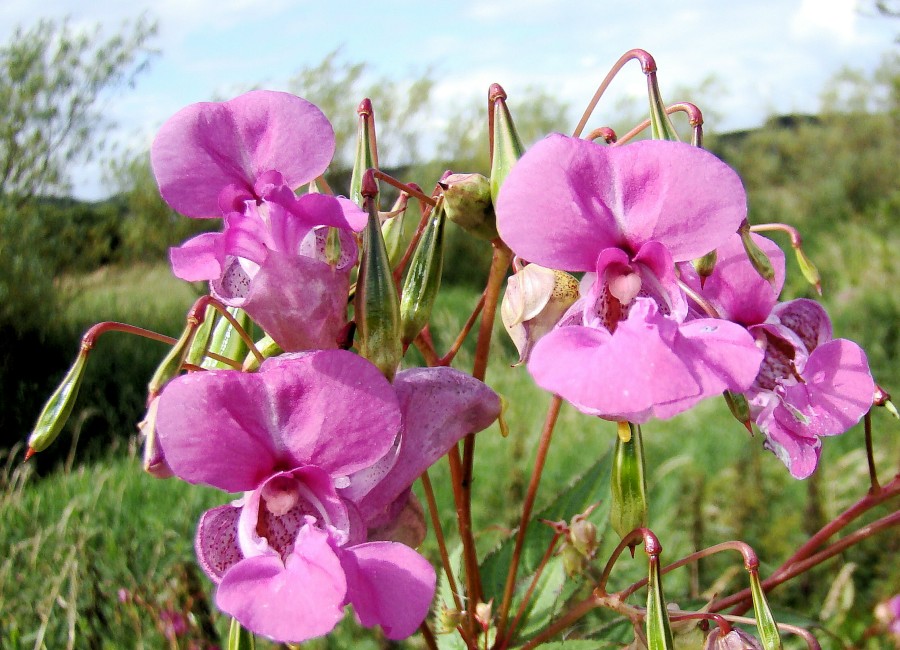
574	563
58	408
483	614
423	277
536	298
628	507
468	202
448	620
736	639
704	266
583	536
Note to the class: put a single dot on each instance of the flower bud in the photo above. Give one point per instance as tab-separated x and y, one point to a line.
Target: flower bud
483	614
448	620
765	622
377	306
628	508
467	198
423	277
58	408
574	563
704	266
536	298
506	146
239	638
583	536
736	639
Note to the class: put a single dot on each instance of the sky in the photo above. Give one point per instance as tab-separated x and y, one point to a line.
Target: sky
767	56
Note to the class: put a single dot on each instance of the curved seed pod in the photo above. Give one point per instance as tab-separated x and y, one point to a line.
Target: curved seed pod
659	631
765	622
58	408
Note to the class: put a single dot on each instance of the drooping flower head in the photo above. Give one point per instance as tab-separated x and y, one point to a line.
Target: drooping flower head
324	449
624	216
809	385
242	160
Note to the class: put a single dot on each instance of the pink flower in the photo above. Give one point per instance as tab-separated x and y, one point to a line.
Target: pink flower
324	448
243	159
625	216
809	385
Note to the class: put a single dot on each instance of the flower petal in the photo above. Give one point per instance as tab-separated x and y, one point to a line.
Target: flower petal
289	602
567	199
217	541
199	258
735	288
439	406
619	376
330	408
299	301
390	585
209	146
214	428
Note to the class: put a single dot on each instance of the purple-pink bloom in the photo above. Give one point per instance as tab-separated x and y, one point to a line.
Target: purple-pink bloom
324	448
809	385
242	160
625	216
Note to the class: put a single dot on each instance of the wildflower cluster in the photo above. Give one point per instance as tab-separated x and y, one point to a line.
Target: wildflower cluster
639	290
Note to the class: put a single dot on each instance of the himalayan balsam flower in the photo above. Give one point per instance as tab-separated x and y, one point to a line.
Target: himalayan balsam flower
325	450
624	216
809	385
242	160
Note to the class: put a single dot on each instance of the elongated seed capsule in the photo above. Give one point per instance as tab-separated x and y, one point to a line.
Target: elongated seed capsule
628	507
58	408
423	277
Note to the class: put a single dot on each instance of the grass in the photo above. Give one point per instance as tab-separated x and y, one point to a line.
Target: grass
100	555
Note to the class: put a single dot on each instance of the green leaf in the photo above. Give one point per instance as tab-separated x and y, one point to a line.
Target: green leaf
589	488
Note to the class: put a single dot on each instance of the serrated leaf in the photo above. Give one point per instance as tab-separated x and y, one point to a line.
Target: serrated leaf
591	487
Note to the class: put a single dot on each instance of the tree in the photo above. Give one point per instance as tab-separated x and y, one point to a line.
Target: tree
51	78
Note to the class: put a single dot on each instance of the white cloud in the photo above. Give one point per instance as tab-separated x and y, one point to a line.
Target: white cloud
826	18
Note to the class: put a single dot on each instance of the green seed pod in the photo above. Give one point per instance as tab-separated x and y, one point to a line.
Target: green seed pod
366	151
173	361
659	632
468	203
808	269
377	306
507	146
267	348
200	344
739	407
765	622
393	230
628	508
58	408
757	256
239	638
423	278
225	340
